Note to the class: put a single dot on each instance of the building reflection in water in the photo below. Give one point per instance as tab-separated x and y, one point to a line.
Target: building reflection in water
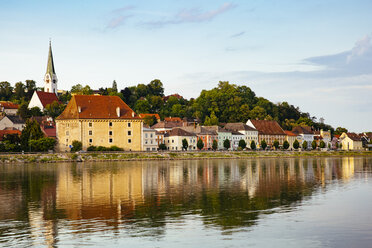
143	196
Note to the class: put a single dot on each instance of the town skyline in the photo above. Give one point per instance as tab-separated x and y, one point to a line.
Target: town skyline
194	47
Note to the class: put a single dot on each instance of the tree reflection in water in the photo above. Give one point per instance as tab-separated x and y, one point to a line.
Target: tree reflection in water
38	201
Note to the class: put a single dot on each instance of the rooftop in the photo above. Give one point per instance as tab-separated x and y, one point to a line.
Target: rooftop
239	126
47	97
268	127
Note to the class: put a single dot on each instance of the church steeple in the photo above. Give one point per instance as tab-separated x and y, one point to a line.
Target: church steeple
50	78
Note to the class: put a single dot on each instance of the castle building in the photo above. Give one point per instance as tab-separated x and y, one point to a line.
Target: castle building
99	121
40	99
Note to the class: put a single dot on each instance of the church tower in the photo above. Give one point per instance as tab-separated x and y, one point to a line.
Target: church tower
50	78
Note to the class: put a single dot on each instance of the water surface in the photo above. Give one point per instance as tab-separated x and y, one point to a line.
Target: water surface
266	202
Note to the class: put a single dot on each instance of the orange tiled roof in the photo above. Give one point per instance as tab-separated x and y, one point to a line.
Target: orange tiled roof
268	127
173	119
97	107
289	133
8	105
47	97
144	115
302	130
5	132
354	136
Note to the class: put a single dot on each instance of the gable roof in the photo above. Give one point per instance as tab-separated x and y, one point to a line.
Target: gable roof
15	119
268	127
217	129
354	136
198	130
97	107
165	124
47	97
302	130
8	105
179	132
239	126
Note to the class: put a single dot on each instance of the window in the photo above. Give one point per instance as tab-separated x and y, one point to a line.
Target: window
129	133
68	124
145	135
151	135
90	124
67	133
110	133
90	140
129	140
172	141
110	124
110	140
90	132
129	124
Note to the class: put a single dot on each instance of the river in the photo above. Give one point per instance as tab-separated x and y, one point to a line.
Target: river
258	202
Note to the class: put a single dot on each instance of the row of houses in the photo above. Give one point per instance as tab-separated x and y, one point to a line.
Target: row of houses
96	120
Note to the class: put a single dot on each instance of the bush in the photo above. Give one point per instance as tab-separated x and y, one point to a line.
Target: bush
92	148
226	144
314	145
76	146
276	144
253	145
200	144
296	144
115	149
185	144
263	144
162	147
242	144
42	145
304	145
214	145
285	145
322	144
101	149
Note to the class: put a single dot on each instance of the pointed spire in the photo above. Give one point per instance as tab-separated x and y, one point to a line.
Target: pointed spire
50	67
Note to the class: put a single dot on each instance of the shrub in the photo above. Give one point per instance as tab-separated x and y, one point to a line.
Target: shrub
296	144
214	145
314	145
92	148
285	145
76	146
242	144
162	146
304	145
185	144
253	145
226	144
200	144
276	144
322	144
115	149
263	144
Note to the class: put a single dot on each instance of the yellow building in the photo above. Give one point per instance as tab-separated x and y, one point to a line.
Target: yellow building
99	121
351	141
291	137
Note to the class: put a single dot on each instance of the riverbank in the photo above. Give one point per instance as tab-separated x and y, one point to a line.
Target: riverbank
130	156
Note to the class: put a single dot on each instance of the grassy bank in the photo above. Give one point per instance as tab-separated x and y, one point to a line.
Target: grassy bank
128	156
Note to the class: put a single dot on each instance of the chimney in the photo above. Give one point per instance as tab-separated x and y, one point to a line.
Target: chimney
79	109
132	114
118	111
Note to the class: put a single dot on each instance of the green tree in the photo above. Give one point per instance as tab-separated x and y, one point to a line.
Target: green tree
285	145
322	144
150	120
276	144
340	130
6	91
42	145
242	144
200	144
35	111
54	109
263	144
76	146
23	111
185	144
253	145
314	145
162	146
226	144
19	91
296	144
114	86
214	145
32	131
155	88
304	145
78	89
258	113
212	120
142	106
30	88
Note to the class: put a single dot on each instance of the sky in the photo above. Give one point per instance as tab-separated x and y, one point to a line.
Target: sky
316	55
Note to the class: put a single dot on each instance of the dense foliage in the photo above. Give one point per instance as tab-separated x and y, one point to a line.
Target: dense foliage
263	144
285	145
253	145
242	144
200	144
296	144
185	144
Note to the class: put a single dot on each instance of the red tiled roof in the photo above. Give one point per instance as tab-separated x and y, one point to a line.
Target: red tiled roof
97	107
8	105
289	133
5	132
165	124
337	136
47	97
268	127
50	132
145	115
179	132
173	119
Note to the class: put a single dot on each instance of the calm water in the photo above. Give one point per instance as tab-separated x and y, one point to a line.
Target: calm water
294	202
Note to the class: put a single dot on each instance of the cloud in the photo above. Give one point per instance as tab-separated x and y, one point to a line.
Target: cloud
237	34
193	15
118	17
361	48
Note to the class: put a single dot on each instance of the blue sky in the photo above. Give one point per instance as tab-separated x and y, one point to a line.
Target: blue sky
314	54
